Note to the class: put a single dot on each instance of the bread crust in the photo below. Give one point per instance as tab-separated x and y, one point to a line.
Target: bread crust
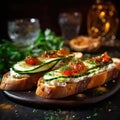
24	83
47	91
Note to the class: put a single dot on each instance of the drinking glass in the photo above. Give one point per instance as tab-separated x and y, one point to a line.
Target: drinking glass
70	25
23	32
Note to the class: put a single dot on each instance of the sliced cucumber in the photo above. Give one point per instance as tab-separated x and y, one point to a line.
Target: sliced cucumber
52	75
56	74
23	67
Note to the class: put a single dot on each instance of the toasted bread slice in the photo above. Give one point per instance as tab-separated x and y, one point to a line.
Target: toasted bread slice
10	83
71	88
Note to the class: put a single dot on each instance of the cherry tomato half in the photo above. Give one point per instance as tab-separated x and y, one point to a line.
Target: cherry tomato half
106	57
31	60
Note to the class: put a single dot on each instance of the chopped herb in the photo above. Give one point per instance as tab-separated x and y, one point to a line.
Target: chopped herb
35	111
86	56
66	67
95	114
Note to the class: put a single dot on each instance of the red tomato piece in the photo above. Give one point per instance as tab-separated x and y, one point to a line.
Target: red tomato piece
31	60
106	57
67	72
77	68
62	52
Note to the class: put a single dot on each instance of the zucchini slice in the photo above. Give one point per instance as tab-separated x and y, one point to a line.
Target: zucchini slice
56	74
23	67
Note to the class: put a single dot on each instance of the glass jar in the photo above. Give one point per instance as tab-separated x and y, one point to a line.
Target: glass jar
102	20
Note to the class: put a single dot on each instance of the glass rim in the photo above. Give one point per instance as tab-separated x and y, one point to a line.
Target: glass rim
23	18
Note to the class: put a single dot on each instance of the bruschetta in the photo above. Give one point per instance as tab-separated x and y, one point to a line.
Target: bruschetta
78	76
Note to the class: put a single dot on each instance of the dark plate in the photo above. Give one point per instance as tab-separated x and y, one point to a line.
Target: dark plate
88	97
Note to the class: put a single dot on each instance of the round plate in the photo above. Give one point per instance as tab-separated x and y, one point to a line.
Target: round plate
88	97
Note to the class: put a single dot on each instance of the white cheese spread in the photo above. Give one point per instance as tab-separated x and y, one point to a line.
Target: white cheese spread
13	74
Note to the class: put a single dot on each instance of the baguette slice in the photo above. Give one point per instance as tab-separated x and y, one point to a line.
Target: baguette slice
10	83
47	91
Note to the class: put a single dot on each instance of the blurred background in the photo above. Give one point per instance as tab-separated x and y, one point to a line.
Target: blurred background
46	11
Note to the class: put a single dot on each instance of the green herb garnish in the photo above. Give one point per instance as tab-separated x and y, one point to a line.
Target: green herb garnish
9	54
